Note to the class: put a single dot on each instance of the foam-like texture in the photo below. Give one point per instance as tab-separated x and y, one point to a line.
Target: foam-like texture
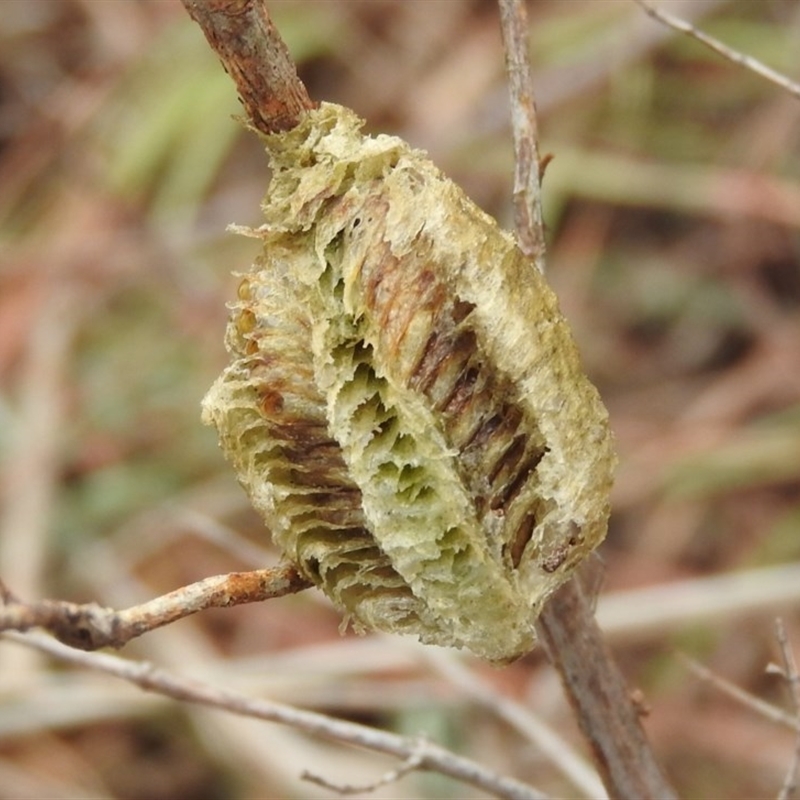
405	404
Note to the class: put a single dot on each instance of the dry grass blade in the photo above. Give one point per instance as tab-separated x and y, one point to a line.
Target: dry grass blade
653	610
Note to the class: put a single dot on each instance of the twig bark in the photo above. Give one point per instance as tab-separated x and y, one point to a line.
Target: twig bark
252	52
427	755
527	163
592	681
734	56
90	626
597	692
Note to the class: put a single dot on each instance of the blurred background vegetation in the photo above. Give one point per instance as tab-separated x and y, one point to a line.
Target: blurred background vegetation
673	214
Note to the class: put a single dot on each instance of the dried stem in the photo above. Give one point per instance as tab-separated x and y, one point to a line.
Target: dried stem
428	755
788	672
742	59
549	745
241	33
527	165
761	707
597	692
90	626
574	642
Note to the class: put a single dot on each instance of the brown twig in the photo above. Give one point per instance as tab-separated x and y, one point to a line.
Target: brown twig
592	681
241	33
431	756
597	692
527	165
90	626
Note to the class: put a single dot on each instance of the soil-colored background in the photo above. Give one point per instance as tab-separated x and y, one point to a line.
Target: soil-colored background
673	220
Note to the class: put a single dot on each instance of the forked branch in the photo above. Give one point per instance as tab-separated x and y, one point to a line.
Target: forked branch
91	627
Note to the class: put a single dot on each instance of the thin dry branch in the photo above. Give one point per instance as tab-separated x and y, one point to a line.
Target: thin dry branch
761	707
592	681
90	626
742	59
561	754
241	33
410	764
788	671
429	756
527	164
599	696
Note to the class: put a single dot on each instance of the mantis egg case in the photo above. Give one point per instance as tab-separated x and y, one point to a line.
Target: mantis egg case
405	405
